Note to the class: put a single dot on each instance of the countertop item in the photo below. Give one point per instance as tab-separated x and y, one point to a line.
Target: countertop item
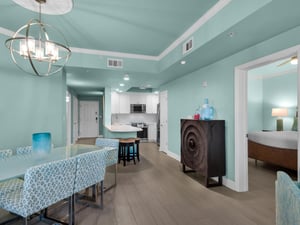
122	128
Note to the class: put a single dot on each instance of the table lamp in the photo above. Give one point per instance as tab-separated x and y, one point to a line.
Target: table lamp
279	112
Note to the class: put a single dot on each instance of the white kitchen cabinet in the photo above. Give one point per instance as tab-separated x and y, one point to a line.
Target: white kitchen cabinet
137	98
115	103
120	102
152	132
151	103
124	102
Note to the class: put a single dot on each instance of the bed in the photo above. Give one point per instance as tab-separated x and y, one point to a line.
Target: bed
275	147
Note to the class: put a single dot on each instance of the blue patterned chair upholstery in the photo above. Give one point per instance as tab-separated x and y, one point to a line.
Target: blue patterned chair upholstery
111	156
5	153
90	170
10	186
13	184
24	150
287	200
43	186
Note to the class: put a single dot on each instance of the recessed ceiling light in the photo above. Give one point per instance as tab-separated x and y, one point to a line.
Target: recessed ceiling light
148	85
122	85
142	87
126	77
183	62
156	92
294	61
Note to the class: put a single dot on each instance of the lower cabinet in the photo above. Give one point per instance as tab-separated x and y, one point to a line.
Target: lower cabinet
152	132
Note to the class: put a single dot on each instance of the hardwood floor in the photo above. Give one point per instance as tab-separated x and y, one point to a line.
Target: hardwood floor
156	192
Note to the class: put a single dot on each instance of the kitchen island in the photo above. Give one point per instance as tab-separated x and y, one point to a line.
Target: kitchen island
121	131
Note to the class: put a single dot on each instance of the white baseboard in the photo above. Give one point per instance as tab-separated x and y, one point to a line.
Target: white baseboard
226	182
173	155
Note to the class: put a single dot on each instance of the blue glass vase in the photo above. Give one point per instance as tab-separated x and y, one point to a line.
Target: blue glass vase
41	142
207	112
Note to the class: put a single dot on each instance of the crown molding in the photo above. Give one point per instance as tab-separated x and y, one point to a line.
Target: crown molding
200	22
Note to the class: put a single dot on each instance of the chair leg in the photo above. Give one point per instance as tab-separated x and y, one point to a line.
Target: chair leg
25	221
138	151
72	209
101	194
94	194
133	154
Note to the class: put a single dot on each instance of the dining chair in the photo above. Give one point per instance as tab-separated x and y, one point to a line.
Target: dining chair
12	184
111	155
5	153
44	185
24	150
90	171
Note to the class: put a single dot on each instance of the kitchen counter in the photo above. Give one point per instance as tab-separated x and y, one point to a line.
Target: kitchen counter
120	131
122	128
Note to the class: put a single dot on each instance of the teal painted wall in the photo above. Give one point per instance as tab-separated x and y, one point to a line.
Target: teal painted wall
280	92
255	104
30	104
185	94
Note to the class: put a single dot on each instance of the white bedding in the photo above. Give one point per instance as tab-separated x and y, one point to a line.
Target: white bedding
279	139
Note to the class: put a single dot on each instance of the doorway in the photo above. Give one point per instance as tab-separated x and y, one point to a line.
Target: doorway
241	113
88	118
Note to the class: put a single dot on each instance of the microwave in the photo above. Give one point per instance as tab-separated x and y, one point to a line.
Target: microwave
137	108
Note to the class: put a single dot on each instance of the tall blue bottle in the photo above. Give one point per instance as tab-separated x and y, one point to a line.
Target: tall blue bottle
207	112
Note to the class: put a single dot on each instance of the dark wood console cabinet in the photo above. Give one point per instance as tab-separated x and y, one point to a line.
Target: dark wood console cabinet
203	148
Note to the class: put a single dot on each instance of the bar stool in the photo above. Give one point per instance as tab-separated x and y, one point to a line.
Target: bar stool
137	149
124	150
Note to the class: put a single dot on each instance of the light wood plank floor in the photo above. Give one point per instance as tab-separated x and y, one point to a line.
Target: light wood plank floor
156	192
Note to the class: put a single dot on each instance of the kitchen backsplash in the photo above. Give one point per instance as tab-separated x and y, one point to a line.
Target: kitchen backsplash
133	117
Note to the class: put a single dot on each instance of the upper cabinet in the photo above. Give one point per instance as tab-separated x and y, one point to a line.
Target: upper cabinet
124	103
151	103
120	102
115	103
138	98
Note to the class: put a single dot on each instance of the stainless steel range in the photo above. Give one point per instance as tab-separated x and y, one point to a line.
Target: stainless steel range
141	134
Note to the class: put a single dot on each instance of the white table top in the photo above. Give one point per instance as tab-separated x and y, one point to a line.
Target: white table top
16	165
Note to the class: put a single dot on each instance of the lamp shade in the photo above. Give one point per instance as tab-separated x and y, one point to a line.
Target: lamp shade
279	112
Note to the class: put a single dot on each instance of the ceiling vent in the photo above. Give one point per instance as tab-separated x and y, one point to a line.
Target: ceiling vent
187	46
115	63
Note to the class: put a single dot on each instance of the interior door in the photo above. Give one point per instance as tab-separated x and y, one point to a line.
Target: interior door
88	118
163	99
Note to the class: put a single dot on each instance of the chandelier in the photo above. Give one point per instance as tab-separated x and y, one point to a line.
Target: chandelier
38	48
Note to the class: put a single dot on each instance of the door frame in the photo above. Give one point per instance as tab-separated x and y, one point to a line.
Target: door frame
241	113
68	118
163	148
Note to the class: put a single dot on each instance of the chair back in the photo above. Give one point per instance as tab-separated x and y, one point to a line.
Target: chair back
287	200
90	169
111	155
24	150
47	184
5	153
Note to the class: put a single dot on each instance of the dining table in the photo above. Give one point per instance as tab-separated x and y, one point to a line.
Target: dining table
16	165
